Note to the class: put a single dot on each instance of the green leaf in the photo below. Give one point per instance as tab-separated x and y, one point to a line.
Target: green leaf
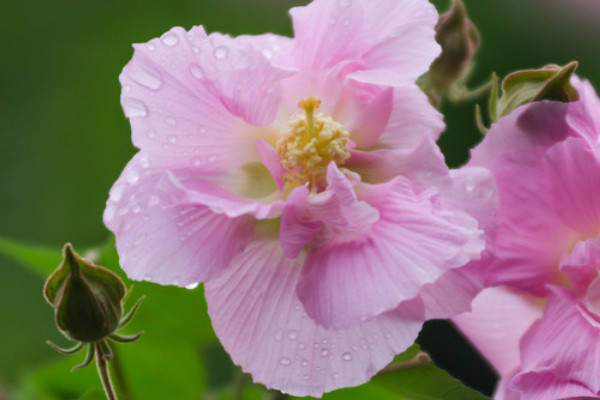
39	259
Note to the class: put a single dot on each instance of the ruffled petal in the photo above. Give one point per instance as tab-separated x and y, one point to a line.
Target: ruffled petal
583	115
264	328
162	236
192	99
350	280
560	354
395	118
573	169
499	318
393	40
537	125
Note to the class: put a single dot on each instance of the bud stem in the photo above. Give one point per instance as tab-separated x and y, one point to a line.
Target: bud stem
102	364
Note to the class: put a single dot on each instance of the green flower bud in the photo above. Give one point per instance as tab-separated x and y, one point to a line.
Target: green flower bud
459	40
87	299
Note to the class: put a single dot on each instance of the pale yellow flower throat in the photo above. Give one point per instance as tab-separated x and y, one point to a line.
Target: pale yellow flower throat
312	142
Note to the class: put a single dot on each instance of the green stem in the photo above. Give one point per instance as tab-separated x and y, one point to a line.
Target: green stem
240	383
120	376
102	364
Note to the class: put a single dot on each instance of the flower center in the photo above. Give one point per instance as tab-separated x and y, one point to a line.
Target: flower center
312	142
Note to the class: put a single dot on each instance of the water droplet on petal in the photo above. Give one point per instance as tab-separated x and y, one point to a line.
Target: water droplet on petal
192	286
195	49
305	377
170	39
285	361
132	176
197	161
145	75
221	52
172	139
267	53
292	335
117	192
151	133
144	161
153	201
345	3
324	352
301	345
171	121
134	107
278	334
109	213
196	71
304	363
347	356
150	46
126	88
212	159
470	184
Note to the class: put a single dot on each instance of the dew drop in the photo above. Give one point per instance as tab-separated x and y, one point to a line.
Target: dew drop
170	39
132	176
145	75
305	377
285	361
172	139
192	286
324	352
126	88
144	161
139	240
347	356
134	107
470	184
292	335
151	133
221	52
197	161
267	53
116	192
196	71
212	159
304	363
278	335
301	345
109	213
171	121
195	49
150	46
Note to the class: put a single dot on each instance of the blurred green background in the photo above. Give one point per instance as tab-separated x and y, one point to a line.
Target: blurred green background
64	139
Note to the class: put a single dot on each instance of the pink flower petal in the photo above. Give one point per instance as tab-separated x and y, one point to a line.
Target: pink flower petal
191	99
350	280
394	40
264	328
583	116
574	172
559	354
499	318
163	237
298	227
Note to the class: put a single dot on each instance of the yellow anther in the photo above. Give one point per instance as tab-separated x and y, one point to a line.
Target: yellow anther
312	142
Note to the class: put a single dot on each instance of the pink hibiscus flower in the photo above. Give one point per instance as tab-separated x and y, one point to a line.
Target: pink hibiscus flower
299	178
541	328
